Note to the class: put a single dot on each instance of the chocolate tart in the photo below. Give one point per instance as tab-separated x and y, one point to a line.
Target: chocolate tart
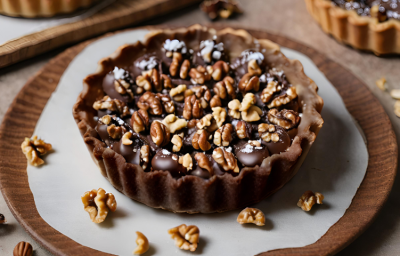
41	8
228	162
360	24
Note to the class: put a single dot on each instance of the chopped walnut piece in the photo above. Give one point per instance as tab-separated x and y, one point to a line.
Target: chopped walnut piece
254	143
113	105
144	156
115	132
223	136
126	138
224	89
397	108
142	244
186	237
234	107
178	93
201	140
215	101
248	100
166	81
122	87
249	83
381	83
192	108
203	162
225	159
242	130
253	114
143	83
151	103
284	118
220	8
253	68
174	123
268	132
308	199
219	70
184	69
268	92
205	121
23	249
199	75
176	62
219	115
186	161
284	99
208	123
98	203
159	133
106	119
140	121
167	103
203	94
251	215
33	149
177	142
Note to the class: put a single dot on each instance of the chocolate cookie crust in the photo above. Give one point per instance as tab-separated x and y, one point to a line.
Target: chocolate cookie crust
197	191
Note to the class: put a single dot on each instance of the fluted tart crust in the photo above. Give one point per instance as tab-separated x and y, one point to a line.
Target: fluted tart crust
363	32
213	169
41	8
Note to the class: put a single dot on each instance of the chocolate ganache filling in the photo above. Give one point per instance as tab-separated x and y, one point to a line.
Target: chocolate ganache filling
383	10
192	112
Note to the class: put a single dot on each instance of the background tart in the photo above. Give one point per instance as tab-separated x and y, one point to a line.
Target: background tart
161	183
41	8
359	31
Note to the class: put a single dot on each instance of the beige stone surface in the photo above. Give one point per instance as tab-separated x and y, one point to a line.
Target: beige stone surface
285	17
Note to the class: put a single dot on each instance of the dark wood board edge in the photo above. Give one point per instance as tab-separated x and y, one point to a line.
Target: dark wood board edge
118	15
365	108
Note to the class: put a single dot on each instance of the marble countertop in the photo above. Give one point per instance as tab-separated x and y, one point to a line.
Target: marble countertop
285	17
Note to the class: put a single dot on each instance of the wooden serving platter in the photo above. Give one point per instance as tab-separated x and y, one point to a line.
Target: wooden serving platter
24	112
119	14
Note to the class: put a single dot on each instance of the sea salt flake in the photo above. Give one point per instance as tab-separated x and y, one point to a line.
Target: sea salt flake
119	73
248	149
166	152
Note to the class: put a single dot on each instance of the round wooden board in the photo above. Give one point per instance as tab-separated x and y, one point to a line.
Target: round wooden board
20	120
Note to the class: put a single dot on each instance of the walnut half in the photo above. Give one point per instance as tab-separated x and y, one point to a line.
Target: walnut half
225	159
251	215
142	244
33	149
97	203
186	237
308	199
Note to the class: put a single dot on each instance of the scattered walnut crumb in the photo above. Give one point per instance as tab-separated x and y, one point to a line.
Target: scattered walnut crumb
142	244
186	237
33	149
251	215
381	83
308	199
98	203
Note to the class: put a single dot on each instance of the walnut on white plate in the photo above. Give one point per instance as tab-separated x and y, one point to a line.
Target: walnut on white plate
308	199
142	244
251	215
186	237
33	149
98	203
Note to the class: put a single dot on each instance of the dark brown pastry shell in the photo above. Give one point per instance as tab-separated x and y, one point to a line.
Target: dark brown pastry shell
192	194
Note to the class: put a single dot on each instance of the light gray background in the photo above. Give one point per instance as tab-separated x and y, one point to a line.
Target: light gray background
286	17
